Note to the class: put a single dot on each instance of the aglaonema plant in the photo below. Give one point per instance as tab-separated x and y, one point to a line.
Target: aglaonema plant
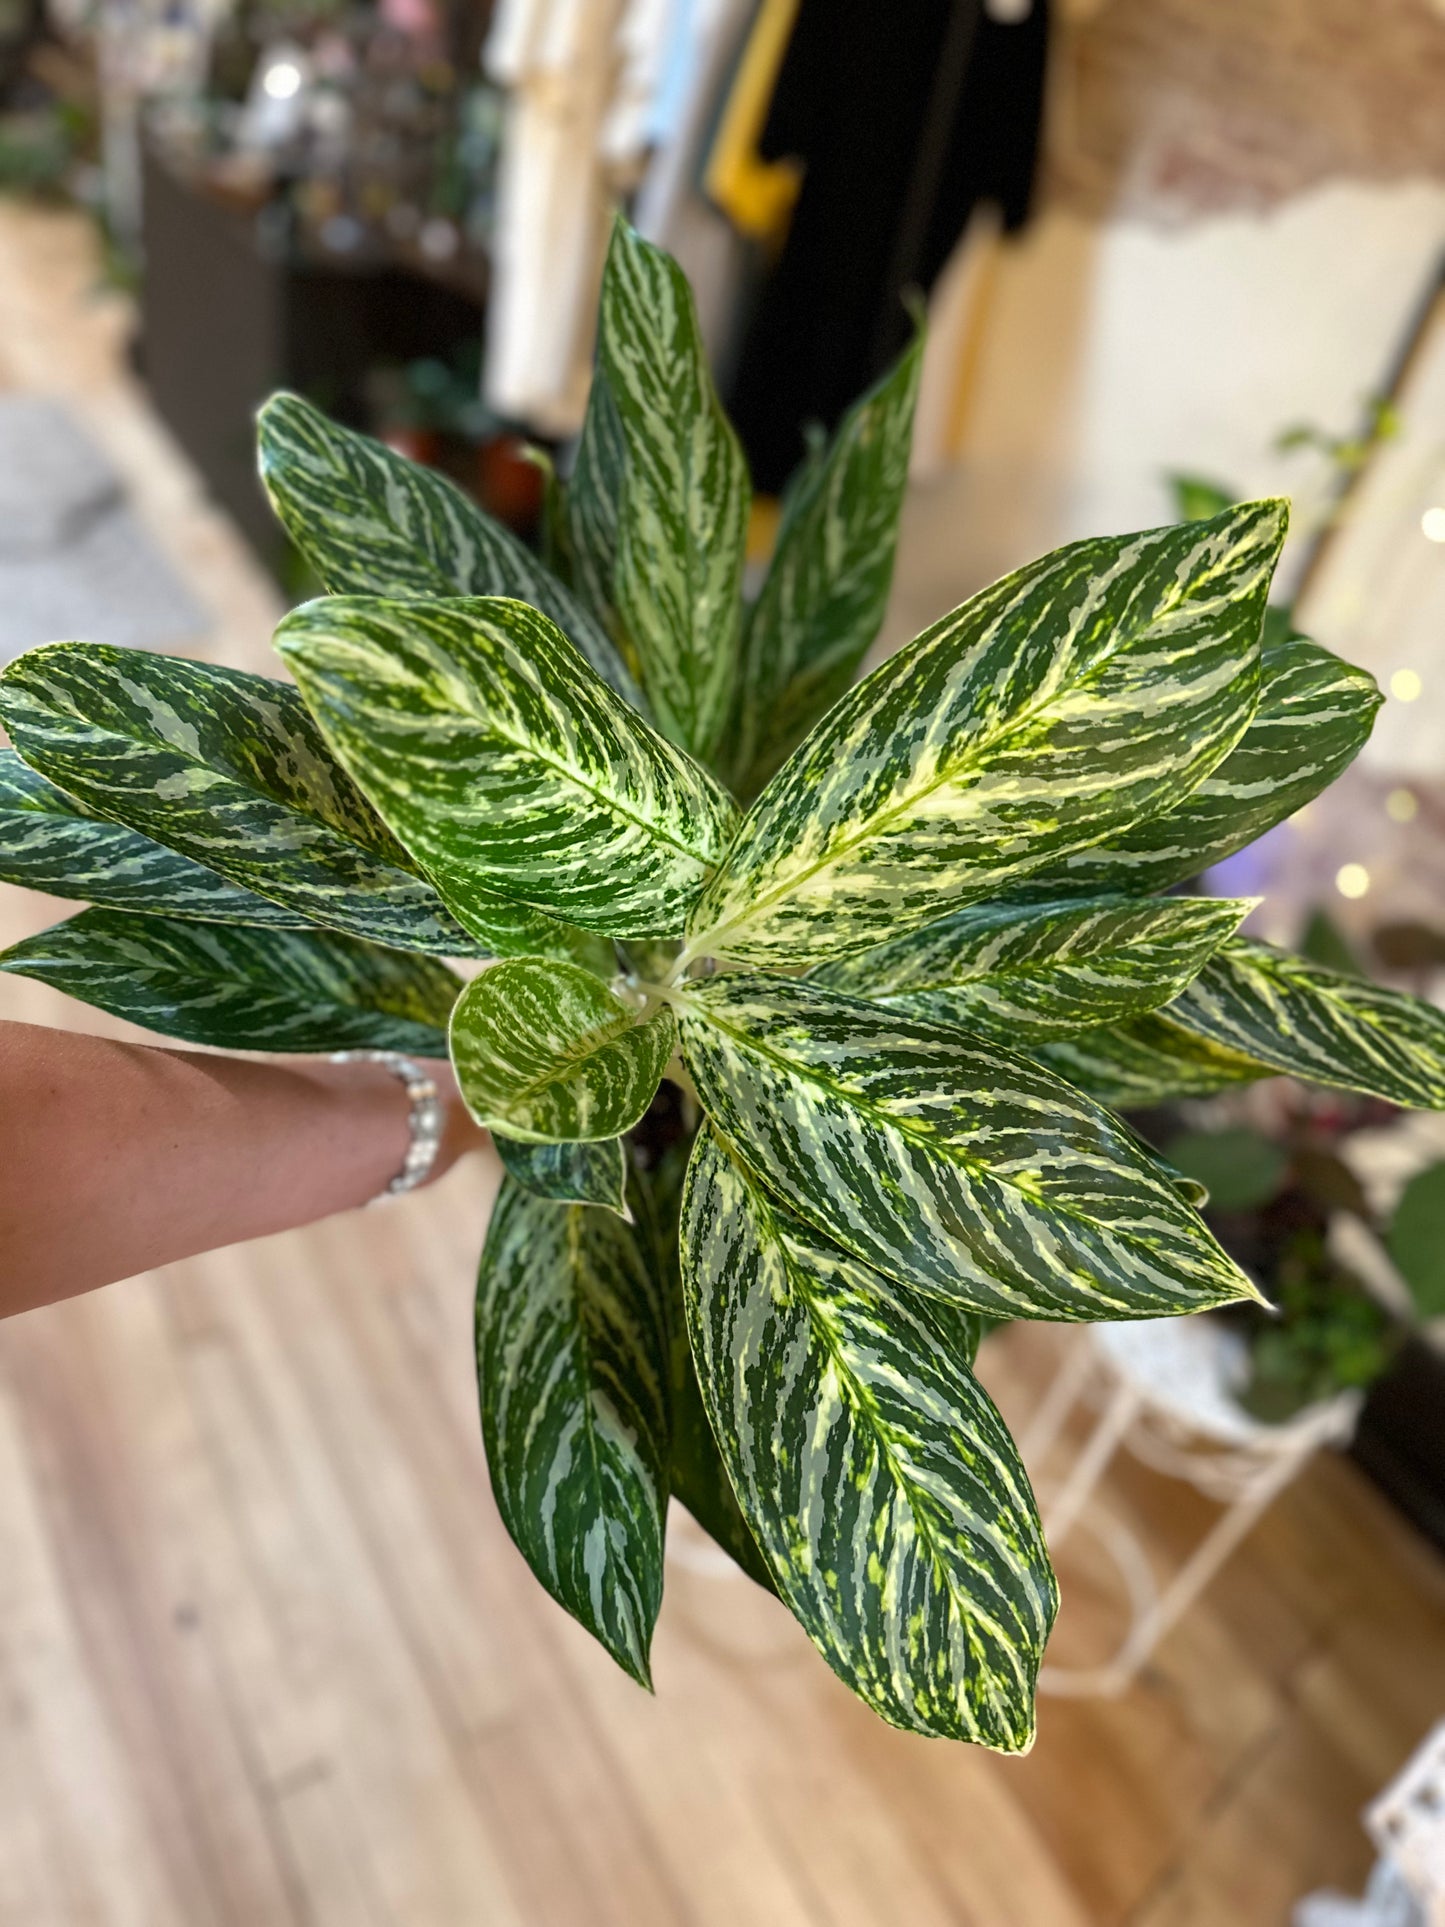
893	947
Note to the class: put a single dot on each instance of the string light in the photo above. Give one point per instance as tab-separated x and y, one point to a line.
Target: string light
1352	880
1405	685
1433	523
284	79
1402	806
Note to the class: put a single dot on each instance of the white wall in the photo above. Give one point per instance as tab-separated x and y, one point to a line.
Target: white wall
1114	352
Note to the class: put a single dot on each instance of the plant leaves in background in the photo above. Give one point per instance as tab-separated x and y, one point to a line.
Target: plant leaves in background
572	1365
504	764
826	590
881	1484
244	989
1315	714
569	1173
50	842
1239	1168
544	1052
1049	713
682	527
1417	1240
1325	943
944	1162
372	523
1020	975
1288	1014
229	770
1197	499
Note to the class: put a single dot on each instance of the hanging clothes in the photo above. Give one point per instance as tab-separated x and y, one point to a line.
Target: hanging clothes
557	60
903	120
671	209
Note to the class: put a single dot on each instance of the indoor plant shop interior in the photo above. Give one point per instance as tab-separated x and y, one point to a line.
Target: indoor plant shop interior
887	913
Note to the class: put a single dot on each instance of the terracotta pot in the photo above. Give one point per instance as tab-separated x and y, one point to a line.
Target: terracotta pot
510	486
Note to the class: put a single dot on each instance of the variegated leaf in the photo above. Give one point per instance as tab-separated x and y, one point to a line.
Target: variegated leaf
826	590
700	1479
1289	1015
229	770
545	1053
1049	713
1143	1062
1021	975
682	526
1314	716
697	1475
569	1173
944	1162
886	1494
372	523
572	1370
592	504
50	842
239	988
504	764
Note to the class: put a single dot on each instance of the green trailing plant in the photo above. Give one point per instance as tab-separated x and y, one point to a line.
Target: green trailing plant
811	997
1273	1202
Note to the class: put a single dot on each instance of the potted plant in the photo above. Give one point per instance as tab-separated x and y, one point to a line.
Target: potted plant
885	947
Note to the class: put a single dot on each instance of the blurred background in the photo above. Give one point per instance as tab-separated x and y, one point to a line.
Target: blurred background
266	1655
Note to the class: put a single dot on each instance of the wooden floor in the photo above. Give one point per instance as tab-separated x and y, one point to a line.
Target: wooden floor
267	1657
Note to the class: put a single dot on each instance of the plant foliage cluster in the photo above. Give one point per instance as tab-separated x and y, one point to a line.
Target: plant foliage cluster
899	943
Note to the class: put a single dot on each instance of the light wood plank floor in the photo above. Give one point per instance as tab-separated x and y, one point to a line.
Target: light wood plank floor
267	1658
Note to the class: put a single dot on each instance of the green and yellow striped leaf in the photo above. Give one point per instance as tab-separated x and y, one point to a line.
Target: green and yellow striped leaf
228	770
700	1479
240	988
886	1494
1046	715
1023	974
825	593
1142	1062
1289	1015
696	1472
1252	1012
569	1173
1315	714
50	842
944	1162
504	764
592	503
545	1053
372	523
572	1369
682	528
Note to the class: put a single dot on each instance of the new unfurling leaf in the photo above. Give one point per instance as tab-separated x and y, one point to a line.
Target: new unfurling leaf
546	1053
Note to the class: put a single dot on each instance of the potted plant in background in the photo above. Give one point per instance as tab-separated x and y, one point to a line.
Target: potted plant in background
808	998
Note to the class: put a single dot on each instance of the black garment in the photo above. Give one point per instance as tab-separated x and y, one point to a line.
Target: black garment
906	113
